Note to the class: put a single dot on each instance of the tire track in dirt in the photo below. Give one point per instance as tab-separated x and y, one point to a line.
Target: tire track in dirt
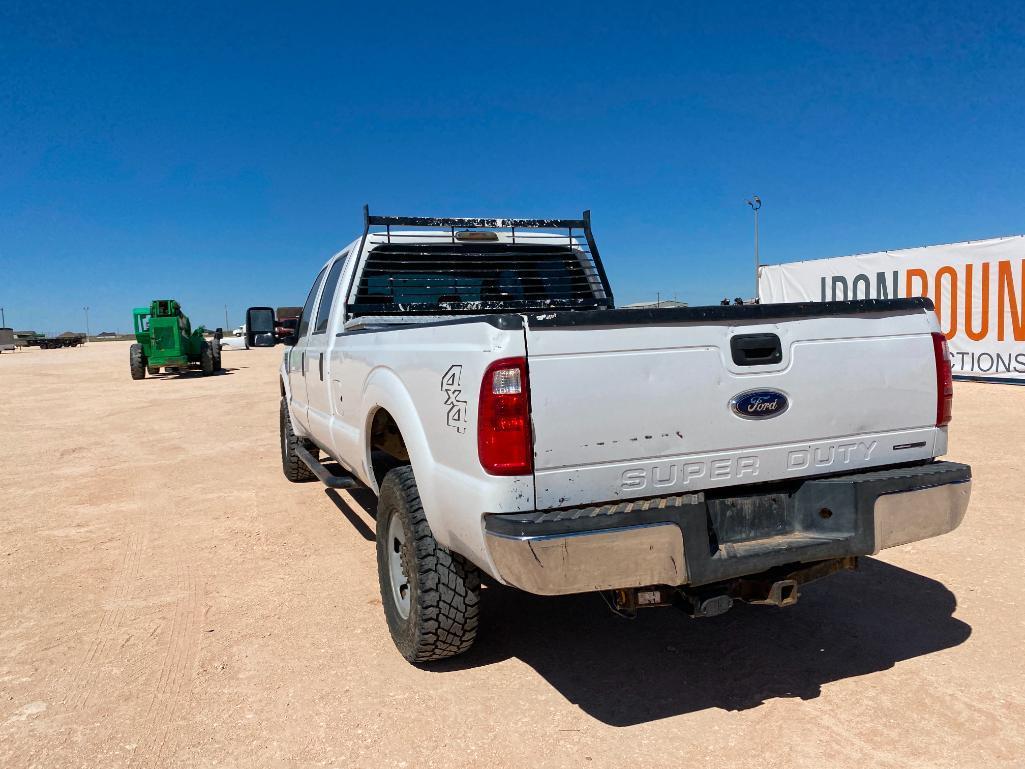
176	669
82	680
85	676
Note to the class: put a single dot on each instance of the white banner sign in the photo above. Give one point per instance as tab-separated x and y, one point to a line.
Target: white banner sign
978	288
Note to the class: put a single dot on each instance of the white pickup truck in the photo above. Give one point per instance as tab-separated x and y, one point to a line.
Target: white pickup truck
476	376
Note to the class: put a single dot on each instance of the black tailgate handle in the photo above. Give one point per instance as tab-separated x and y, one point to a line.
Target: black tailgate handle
756	349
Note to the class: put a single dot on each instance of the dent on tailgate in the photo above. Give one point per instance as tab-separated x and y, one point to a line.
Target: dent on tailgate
632	411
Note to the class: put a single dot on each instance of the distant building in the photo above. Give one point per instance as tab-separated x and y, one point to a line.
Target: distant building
660	304
106	334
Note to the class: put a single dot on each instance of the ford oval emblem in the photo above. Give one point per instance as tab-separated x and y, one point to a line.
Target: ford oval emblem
759	404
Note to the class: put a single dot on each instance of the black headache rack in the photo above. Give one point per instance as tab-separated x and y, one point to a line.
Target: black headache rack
470	266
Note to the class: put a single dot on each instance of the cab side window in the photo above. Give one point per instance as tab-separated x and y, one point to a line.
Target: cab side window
328	297
304	320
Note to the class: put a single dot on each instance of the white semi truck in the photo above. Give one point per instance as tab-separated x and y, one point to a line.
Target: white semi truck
475	375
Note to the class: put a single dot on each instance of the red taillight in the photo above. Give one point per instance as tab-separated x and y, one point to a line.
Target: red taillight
944	380
504	442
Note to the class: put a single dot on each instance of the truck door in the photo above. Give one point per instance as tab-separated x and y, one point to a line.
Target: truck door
296	360
318	358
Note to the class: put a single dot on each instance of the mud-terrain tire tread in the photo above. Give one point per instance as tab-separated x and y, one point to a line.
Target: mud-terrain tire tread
294	468
206	358
137	361
215	347
445	606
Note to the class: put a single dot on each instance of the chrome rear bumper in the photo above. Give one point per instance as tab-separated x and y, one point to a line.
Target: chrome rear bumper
911	516
631	556
695	540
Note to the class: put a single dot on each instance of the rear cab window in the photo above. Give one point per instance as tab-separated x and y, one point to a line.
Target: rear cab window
400	278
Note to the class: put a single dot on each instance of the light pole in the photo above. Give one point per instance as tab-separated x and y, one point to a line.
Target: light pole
3	318
86	323
756	202
226	329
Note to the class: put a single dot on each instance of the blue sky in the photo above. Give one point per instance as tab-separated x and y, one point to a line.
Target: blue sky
218	153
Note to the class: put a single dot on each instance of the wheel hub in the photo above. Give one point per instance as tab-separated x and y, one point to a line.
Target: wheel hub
397	556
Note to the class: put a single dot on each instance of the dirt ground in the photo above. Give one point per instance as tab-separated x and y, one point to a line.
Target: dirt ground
168	599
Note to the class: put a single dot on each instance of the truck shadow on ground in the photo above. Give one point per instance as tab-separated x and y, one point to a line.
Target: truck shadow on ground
662	664
367	502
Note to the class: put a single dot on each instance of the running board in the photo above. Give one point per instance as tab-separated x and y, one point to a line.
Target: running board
325	476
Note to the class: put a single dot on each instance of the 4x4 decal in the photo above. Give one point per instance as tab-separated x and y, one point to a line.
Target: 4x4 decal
451	385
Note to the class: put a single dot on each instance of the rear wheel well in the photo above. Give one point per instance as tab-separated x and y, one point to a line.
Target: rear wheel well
387	446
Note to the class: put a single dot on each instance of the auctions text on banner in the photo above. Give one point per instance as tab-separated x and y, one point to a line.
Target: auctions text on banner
978	288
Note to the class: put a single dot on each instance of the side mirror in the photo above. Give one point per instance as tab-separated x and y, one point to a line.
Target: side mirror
260	327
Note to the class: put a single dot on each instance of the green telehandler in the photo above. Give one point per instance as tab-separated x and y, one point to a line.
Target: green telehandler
165	340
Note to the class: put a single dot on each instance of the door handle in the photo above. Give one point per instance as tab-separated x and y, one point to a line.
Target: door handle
322	367
304	363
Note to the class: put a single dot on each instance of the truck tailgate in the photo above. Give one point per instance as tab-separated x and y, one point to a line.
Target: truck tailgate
626	410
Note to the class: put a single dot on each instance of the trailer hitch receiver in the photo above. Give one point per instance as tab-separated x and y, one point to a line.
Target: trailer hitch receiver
782	593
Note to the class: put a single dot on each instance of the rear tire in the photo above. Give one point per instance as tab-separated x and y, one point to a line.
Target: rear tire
216	346
294	468
431	597
137	361
206	358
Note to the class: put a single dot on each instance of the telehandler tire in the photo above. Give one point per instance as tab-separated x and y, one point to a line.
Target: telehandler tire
206	358
431	597
137	361
294	468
